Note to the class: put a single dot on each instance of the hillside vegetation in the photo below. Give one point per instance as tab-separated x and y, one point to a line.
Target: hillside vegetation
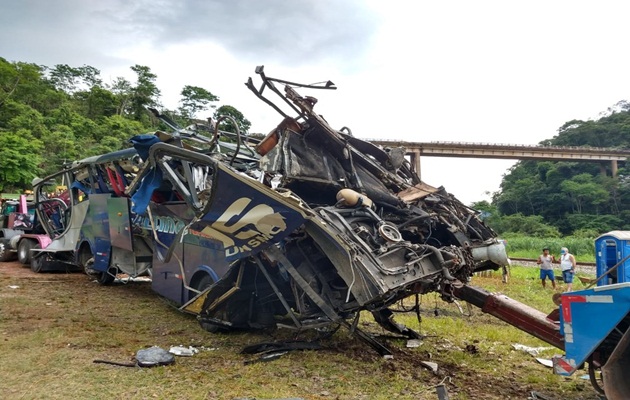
550	199
53	115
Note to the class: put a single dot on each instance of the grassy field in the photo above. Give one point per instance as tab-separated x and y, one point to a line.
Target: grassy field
54	325
531	247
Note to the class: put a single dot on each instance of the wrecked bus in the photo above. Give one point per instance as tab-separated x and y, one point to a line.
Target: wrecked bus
322	226
306	231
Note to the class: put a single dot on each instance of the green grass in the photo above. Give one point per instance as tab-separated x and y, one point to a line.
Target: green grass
47	350
531	247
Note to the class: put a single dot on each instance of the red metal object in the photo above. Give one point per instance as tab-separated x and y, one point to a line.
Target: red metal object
513	312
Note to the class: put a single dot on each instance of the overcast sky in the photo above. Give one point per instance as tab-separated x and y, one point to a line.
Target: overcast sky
479	71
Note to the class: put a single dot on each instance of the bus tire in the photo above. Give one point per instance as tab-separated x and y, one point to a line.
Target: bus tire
5	253
107	277
202	284
24	251
37	264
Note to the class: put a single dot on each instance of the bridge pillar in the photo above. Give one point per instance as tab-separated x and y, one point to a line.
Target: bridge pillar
415	162
613	168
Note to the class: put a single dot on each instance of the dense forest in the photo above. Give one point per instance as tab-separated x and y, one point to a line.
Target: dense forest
53	115
549	199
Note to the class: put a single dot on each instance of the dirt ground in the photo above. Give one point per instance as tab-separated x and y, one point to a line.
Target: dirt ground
71	304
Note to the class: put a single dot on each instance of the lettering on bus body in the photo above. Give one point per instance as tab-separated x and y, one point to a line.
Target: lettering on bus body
242	228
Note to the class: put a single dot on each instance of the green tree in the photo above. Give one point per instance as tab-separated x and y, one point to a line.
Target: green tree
19	160
145	93
558	190
121	89
195	99
227	125
584	192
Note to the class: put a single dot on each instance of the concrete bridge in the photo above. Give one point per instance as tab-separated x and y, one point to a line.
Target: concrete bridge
415	150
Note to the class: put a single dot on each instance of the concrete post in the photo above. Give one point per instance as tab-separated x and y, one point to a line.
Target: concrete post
415	162
613	168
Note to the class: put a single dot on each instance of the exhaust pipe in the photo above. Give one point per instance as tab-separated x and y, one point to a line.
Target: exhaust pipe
494	252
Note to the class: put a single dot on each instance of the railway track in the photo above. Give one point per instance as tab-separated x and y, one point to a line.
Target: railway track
533	260
587	267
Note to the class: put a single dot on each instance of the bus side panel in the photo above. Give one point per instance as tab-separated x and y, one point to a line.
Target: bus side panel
167	278
120	223
96	230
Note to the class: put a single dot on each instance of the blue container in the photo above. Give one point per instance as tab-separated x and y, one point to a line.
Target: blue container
610	249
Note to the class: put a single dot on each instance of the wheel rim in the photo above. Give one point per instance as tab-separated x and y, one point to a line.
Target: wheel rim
36	264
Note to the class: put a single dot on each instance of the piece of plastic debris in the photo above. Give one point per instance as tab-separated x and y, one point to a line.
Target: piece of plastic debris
442	392
266	357
13	287
183	351
49	304
154	356
388	357
534	351
545	362
433	367
538	396
414	343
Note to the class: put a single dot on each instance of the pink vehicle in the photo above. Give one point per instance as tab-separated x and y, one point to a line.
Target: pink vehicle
20	233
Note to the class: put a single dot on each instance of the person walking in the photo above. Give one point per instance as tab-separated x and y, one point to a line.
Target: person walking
545	261
567	265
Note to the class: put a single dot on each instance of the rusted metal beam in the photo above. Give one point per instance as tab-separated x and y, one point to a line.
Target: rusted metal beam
513	312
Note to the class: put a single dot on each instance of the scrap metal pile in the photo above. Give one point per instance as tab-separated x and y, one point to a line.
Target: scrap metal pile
313	227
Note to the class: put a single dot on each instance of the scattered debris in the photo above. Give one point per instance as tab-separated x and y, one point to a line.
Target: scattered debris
272	350
538	396
151	357
412	343
534	351
154	356
441	389
266	357
183	351
547	363
13	287
433	367
442	392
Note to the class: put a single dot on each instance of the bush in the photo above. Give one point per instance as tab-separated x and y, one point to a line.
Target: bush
530	225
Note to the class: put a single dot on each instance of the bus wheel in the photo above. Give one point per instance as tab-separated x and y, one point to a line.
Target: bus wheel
37	264
202	284
103	278
5	253
24	250
107	277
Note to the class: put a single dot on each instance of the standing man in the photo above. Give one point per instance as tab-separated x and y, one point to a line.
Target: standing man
546	269
567	265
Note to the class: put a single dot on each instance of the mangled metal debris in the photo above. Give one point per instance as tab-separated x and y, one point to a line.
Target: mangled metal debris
325	225
304	229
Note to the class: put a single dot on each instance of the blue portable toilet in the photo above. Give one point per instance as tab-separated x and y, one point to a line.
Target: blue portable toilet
610	249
